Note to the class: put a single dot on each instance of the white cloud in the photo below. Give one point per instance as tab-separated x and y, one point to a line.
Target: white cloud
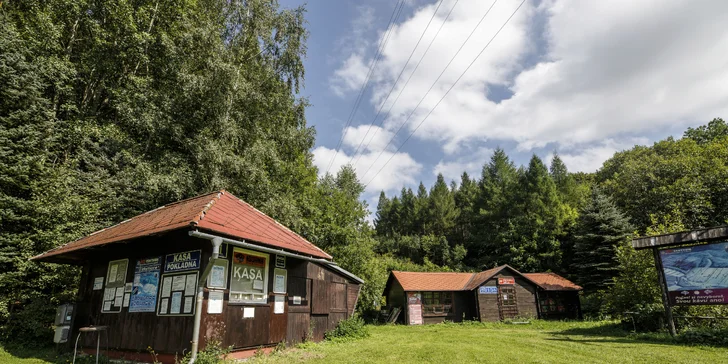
398	172
370	137
610	70
471	163
590	158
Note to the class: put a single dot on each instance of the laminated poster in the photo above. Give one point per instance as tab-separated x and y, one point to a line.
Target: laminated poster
176	303
109	294
146	285
190	285
188	304
217	276
163	306
279	284
214	302
127	296
107	306
98	283
119	292
112	273
279	306
166	286
118	301
178	283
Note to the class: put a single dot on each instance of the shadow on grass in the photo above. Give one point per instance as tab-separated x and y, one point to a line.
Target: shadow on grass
19	351
613	333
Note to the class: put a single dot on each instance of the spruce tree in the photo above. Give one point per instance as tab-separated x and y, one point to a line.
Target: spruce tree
600	228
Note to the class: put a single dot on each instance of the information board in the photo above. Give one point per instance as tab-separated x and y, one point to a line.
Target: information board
178	294
146	285
183	261
696	275
415	314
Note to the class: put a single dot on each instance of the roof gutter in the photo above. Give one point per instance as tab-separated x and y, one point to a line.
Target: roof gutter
244	244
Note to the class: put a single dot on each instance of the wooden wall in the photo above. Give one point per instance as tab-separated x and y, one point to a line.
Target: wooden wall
139	330
326	298
489	305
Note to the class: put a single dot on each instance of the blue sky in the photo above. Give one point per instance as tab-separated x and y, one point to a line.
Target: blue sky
585	79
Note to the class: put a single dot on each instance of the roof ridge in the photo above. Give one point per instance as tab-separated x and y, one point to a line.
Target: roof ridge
207	207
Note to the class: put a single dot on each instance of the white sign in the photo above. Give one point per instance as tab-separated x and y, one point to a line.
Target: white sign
163	306
127	296
178	283
98	283
279	284
248	312
214	302
190	285
166	286
128	287
188	304
296	300
217	276
279	305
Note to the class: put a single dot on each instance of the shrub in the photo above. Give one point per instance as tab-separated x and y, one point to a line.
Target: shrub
351	328
213	353
704	337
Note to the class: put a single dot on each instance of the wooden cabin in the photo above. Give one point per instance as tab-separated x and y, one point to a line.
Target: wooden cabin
207	268
492	295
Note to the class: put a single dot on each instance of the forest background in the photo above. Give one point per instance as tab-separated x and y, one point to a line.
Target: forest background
109	110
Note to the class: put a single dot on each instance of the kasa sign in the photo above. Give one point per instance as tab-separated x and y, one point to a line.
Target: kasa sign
180	262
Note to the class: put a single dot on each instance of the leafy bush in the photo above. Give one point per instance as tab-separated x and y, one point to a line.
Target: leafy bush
214	353
645	318
351	328
704	337
30	325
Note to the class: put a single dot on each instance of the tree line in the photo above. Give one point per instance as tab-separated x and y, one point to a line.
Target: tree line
109	109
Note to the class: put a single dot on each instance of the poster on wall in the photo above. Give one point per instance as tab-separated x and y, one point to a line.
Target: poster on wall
696	275
178	294
184	261
146	285
249	276
506	281
415	314
488	290
115	282
414	298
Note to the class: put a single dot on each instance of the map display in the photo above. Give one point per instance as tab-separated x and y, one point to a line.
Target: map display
696	275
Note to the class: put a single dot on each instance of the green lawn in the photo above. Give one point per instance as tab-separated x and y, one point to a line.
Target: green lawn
19	355
540	342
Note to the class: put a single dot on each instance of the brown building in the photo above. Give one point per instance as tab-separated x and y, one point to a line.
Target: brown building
207	268
492	295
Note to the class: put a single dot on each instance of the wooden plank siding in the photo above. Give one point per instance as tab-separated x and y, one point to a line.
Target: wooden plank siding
489	308
326	298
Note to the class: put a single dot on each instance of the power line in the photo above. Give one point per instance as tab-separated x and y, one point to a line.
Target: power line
431	87
409	78
392	19
399	76
447	92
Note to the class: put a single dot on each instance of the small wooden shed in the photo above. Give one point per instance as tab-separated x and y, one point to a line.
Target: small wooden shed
492	295
207	268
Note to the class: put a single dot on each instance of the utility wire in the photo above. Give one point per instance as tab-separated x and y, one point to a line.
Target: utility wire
408	79
447	92
397	80
431	87
382	43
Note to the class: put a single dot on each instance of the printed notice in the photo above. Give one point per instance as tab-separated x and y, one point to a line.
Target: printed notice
176	302
118	301
112	273
279	285
163	306
214	302
248	312
217	276
279	306
296	300
98	283
127	287
178	283
166	286
119	292
127	296
188	304
107	306
258	284
109	294
190	285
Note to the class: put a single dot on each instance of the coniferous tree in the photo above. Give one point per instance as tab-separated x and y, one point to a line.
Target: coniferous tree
600	228
422	203
442	210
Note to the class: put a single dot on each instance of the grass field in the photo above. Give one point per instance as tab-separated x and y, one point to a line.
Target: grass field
539	342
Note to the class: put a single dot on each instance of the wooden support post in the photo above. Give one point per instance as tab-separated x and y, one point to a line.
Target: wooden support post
663	288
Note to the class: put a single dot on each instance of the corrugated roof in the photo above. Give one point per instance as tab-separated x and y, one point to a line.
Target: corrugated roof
219	212
432	281
552	282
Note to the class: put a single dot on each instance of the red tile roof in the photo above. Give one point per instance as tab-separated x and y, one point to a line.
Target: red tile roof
432	281
446	281
552	282
219	212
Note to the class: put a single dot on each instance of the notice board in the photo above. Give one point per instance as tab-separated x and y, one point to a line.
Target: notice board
415	314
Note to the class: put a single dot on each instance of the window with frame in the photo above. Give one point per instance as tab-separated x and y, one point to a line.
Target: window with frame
249	277
436	303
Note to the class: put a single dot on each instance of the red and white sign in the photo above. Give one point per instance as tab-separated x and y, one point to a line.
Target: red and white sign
413	298
415	314
506	281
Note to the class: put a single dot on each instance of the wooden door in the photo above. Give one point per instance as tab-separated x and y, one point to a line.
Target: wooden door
507	302
278	321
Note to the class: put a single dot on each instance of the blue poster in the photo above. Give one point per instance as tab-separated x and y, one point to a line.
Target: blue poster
146	284
696	275
180	262
488	290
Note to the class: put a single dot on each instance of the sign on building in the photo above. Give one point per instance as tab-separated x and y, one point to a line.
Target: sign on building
184	261
696	275
506	281
146	285
488	290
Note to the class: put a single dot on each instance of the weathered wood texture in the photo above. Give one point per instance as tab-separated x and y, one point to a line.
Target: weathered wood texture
568	299
489	305
331	295
685	237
